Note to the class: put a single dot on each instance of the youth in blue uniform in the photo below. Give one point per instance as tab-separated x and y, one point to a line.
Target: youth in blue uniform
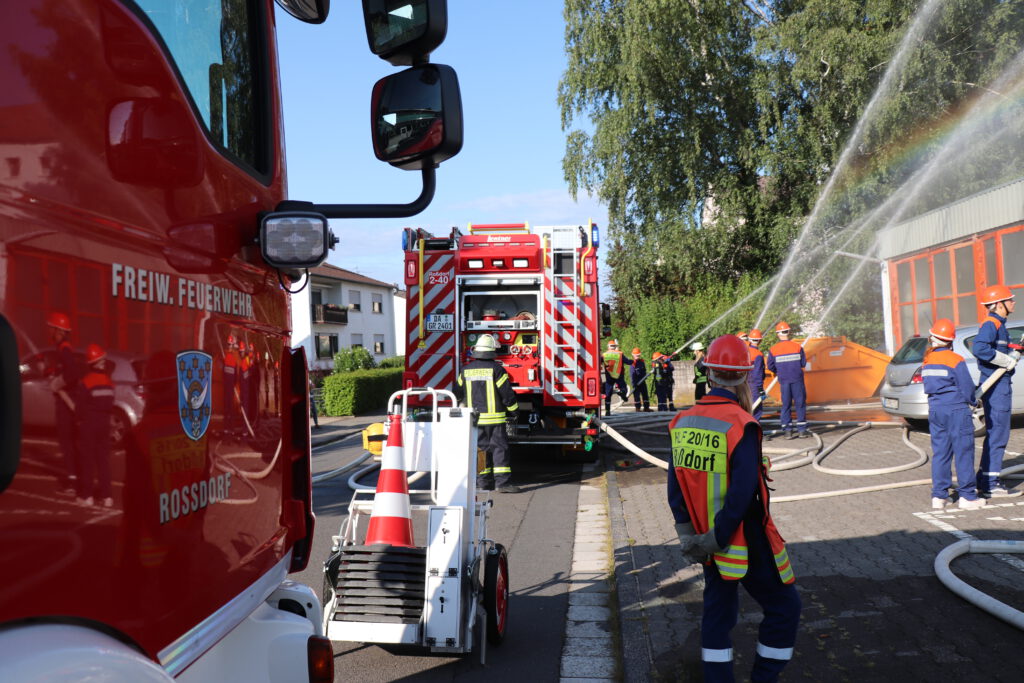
787	360
991	347
663	381
745	506
950	397
755	378
638	378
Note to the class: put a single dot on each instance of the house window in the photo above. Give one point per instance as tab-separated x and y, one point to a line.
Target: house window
326	345
316	297
378	343
354	300
357	341
377	305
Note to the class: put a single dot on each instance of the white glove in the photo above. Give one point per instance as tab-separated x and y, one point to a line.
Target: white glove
685	532
1004	360
708	543
704	545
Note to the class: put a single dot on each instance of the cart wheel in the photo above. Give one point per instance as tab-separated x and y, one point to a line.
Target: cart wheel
496	594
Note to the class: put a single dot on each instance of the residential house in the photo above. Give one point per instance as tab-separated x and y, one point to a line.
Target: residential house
341	309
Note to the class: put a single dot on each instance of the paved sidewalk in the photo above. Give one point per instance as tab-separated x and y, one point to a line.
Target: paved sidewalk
873	608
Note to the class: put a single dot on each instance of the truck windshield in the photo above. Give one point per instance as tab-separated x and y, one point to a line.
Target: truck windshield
213	44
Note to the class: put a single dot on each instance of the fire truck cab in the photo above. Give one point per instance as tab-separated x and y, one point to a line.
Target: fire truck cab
147	251
535	290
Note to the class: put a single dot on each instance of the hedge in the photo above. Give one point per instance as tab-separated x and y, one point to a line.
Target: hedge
361	391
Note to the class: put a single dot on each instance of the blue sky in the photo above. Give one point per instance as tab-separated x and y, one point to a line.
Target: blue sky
509	58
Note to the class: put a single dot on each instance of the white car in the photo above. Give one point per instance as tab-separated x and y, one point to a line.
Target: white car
902	393
39	409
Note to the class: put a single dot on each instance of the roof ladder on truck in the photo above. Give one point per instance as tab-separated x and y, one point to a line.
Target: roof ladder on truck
563	269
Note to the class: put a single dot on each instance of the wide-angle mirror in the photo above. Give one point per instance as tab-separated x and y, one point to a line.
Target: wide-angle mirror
417	117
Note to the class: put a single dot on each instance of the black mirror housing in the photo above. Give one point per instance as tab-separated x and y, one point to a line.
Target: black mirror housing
295	239
416	117
309	11
405	32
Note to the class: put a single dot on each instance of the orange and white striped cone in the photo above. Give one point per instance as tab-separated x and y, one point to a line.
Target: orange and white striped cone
391	520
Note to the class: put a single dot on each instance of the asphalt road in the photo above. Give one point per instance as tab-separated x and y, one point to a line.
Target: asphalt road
536	526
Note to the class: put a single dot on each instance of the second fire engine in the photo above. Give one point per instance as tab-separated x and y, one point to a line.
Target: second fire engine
536	291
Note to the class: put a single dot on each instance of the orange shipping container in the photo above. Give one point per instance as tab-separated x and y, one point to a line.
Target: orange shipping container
839	370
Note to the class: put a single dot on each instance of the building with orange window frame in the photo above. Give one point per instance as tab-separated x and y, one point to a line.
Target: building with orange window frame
935	264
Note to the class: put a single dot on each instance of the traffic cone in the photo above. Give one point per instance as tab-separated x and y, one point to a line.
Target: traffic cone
391	520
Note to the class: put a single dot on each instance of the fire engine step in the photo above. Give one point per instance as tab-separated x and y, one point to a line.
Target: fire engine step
381	584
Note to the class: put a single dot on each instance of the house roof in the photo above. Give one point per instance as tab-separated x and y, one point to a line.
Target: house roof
336	273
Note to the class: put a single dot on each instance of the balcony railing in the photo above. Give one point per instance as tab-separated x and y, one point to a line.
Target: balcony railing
325	313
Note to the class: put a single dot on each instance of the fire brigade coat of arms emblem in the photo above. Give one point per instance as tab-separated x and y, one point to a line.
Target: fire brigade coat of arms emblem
195	369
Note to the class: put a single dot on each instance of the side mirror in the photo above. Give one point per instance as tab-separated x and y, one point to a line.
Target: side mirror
416	117
291	240
606	315
405	32
309	11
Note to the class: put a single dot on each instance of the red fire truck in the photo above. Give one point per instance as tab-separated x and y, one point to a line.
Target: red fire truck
536	291
154	448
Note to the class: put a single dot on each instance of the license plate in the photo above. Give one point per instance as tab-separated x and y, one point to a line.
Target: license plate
892	403
439	322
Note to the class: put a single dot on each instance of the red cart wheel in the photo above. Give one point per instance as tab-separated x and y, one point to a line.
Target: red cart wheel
496	593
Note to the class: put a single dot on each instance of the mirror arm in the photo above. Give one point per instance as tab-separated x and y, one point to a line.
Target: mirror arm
371	210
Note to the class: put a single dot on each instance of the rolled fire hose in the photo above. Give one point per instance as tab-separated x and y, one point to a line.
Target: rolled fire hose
986	602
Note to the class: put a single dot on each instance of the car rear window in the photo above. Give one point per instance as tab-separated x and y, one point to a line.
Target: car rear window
912	351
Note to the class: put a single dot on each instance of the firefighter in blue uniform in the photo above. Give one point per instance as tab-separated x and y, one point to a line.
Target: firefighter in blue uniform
664	382
613	362
787	360
718	494
638	378
484	386
992	349
96	407
950	397
755	378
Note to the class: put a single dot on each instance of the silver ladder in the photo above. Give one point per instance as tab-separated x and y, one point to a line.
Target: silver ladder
566	310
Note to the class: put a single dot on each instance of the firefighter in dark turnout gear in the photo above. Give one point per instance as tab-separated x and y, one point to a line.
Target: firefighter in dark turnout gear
700	375
613	362
64	384
484	386
718	494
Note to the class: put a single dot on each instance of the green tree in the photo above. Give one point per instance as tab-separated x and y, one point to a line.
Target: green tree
711	127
